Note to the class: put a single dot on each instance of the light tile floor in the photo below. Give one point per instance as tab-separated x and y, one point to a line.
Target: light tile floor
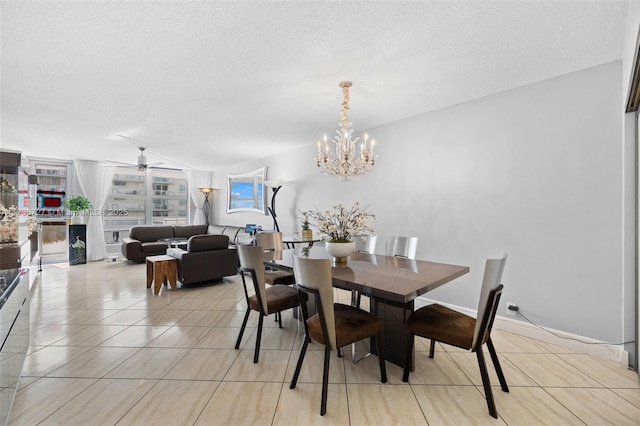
105	351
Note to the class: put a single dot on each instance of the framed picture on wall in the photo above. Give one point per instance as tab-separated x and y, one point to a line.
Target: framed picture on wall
246	192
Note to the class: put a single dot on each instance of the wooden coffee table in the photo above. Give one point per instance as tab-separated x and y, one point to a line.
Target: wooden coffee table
161	269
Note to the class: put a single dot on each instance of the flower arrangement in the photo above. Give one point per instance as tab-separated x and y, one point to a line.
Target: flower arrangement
8	224
77	203
342	224
6	186
32	224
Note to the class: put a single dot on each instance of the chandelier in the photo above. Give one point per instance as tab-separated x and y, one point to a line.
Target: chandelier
344	162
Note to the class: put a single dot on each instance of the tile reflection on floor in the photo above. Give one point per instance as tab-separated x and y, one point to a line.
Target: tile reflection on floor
104	350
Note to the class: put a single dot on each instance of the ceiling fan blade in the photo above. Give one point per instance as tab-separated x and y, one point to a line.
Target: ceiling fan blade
164	168
142	164
121	164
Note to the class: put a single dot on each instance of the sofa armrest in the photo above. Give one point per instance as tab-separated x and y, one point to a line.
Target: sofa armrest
128	240
132	249
176	252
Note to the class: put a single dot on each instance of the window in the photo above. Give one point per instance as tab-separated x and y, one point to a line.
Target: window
144	197
245	192
170	204
124	207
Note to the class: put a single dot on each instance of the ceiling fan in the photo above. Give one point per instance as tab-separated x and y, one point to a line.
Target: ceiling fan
142	159
142	164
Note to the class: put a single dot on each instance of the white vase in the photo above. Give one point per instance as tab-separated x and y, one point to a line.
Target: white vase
340	251
78	219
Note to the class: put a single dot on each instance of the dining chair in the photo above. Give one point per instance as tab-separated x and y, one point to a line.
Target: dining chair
366	243
441	324
402	247
269	240
273	241
334	325
265	300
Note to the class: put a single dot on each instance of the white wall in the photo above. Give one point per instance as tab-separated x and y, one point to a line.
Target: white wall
630	320
536	171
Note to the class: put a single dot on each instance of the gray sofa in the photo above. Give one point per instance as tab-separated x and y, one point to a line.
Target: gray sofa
151	240
207	258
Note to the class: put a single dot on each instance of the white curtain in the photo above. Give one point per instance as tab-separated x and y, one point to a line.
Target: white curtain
199	179
95	180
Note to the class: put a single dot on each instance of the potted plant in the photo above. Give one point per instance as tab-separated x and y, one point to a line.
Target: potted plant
76	205
307	233
341	226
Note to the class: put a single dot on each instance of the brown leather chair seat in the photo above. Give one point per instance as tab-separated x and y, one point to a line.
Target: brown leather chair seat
335	325
441	324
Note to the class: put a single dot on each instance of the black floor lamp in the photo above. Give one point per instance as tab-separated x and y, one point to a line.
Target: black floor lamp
275	185
206	207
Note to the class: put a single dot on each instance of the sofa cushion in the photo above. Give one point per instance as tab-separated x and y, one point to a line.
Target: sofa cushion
151	233
154	247
244	239
216	229
207	242
232	232
187	231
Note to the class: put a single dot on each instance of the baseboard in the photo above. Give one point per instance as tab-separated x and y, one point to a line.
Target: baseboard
561	338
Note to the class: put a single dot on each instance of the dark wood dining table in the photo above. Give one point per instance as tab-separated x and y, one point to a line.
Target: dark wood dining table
393	283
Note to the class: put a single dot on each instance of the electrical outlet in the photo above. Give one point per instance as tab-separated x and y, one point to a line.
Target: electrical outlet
512	309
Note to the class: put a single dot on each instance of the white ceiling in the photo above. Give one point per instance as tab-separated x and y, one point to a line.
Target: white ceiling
215	83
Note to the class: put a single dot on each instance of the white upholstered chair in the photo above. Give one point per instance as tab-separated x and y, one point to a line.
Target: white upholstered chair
366	243
402	247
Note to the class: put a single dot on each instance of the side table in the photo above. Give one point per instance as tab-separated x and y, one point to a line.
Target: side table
177	242
292	241
161	269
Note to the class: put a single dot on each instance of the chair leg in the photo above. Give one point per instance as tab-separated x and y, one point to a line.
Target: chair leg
408	358
496	365
383	367
355	298
487	385
432	349
325	380
244	324
296	373
256	354
280	319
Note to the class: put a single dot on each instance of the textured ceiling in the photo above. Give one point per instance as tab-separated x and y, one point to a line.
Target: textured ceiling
216	83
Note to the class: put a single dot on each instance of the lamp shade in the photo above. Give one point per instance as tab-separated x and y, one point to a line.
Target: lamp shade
273	183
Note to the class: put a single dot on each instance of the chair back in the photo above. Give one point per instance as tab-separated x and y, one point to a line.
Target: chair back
366	243
489	298
316	274
269	240
251	263
402	247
